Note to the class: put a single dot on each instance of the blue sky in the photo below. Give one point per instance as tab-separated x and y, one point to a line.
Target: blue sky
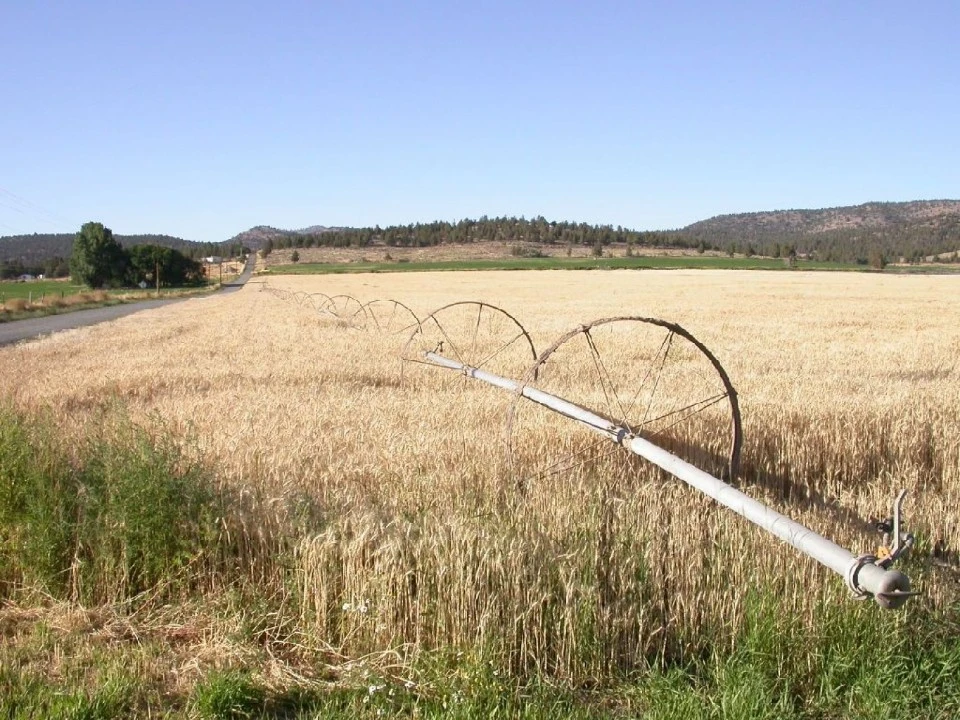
201	119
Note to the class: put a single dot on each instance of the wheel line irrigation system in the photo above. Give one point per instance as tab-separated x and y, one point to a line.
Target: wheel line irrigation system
439	341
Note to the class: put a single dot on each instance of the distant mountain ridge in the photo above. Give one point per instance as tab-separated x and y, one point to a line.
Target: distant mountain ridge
897	229
929	213
256	236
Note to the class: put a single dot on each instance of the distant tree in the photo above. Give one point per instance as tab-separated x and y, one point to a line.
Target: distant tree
295	257
790	256
266	249
11	270
597	249
56	267
877	260
175	268
98	260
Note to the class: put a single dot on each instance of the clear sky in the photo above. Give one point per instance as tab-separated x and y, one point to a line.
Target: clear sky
201	119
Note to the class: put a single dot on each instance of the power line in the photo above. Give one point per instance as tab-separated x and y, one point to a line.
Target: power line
22	205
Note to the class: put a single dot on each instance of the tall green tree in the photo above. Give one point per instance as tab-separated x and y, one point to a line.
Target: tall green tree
98	260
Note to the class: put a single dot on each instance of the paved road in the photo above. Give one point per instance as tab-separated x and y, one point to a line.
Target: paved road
241	280
17	330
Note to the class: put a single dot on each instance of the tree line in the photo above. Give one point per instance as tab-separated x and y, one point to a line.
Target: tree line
54	267
49	253
502	229
98	261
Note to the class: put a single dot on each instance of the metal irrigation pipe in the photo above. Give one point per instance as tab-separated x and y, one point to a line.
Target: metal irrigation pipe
865	575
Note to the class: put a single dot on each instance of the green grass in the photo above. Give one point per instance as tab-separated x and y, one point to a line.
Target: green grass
941	269
10	289
856	664
229	694
64	288
115	517
554	263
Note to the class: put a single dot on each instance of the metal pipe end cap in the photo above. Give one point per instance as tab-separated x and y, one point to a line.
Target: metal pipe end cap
894	590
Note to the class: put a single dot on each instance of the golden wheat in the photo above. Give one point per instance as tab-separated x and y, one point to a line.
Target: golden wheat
849	391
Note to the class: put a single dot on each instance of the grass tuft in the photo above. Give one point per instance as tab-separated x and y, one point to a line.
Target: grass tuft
118	516
229	695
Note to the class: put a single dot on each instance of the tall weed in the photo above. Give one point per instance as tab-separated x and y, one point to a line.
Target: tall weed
114	517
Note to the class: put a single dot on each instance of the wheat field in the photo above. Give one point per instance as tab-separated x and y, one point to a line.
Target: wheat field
388	488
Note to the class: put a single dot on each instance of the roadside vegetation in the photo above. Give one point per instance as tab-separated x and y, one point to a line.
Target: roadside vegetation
18	302
100	261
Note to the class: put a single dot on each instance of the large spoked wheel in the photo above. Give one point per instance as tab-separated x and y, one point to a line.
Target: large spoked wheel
476	334
649	376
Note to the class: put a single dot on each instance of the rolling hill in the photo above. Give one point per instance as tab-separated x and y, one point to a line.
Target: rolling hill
256	236
914	231
896	229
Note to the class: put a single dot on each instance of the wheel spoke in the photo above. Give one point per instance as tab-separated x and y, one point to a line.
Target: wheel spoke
656	382
700	406
571	461
453	345
499	350
605	379
476	331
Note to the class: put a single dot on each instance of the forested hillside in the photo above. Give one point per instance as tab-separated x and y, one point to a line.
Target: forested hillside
257	236
910	230
854	234
501	229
